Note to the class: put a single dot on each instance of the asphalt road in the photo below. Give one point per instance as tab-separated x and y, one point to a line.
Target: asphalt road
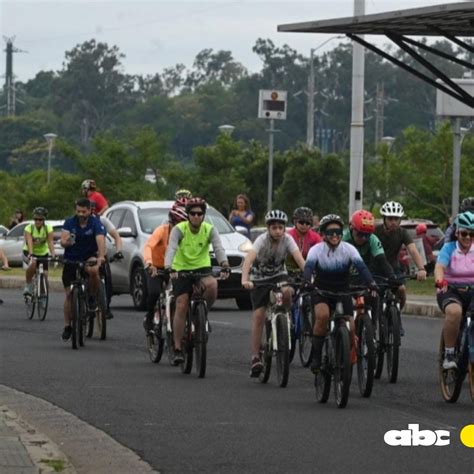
227	421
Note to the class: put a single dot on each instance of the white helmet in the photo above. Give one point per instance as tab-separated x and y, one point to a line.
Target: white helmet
276	216
392	209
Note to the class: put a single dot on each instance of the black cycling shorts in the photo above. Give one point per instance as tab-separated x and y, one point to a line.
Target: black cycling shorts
27	262
260	295
347	303
184	284
454	295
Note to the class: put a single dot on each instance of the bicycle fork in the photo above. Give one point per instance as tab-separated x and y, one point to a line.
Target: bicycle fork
274	314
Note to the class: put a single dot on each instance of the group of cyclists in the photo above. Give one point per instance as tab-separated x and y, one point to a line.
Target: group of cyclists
331	258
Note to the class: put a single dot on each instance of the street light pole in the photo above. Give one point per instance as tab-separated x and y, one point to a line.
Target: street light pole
50	137
271	131
458	136
389	142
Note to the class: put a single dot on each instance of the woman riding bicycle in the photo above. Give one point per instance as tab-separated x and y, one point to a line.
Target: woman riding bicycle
455	267
330	262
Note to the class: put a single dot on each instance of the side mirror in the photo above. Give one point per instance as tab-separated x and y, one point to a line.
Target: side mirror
242	230
126	232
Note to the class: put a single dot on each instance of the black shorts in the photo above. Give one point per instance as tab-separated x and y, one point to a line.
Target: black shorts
184	284
347	303
69	272
455	295
26	261
260	295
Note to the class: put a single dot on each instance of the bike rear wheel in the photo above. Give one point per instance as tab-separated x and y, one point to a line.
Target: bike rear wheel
266	353
154	339
101	313
200	338
30	301
450	380
322	380
76	323
283	350
379	333
305	343
342	368
393	343
365	355
43	297
187	347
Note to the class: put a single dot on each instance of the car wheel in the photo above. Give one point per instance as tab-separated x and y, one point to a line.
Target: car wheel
138	288
243	302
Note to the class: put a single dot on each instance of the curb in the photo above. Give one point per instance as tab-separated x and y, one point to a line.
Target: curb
422	309
55	284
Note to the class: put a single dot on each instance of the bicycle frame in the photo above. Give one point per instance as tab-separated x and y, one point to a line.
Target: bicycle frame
273	309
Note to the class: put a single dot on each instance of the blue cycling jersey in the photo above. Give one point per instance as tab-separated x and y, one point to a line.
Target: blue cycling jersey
86	244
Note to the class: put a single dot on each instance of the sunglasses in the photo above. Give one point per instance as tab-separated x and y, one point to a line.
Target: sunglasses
195	213
465	233
362	235
331	232
304	223
38	219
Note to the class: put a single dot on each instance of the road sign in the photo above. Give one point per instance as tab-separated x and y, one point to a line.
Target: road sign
272	104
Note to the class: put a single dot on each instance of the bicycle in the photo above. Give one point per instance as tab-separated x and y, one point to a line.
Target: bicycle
387	327
39	297
197	327
276	339
336	362
451	380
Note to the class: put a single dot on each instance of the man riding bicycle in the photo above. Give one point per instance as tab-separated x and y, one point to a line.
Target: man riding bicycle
154	256
83	238
267	260
455	266
188	250
38	243
329	263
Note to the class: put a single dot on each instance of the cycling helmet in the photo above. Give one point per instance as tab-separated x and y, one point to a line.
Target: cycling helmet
276	216
330	219
183	193
88	184
392	209
303	214
465	220
40	212
196	202
177	214
467	204
421	229
363	221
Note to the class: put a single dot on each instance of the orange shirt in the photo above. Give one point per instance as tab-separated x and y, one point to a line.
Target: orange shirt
155	247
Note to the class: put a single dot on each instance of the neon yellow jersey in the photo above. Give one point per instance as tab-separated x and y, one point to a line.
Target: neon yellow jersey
40	239
193	249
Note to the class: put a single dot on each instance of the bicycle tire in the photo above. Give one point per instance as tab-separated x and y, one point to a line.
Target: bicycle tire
342	365
75	317
471	379
266	353
393	343
154	339
379	322
101	313
322	380
306	336
200	338
282	354
450	380
187	348
43	297
365	355
292	350
30	304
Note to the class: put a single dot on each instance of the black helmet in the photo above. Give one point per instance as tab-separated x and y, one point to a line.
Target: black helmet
40	212
303	214
330	219
467	204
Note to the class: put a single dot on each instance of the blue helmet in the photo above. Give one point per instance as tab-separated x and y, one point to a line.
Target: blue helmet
465	220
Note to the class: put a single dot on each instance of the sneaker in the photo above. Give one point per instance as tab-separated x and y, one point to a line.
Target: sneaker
67	333
256	367
449	362
28	290
109	315
315	365
92	304
178	357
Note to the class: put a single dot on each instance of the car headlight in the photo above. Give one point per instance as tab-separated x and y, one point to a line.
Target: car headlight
245	246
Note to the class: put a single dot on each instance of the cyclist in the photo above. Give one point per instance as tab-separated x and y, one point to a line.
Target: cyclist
329	263
83	238
455	267
302	233
188	250
467	204
183	194
393	237
154	257
267	261
38	243
89	190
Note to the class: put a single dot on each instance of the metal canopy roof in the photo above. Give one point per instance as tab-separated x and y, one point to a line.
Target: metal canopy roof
451	20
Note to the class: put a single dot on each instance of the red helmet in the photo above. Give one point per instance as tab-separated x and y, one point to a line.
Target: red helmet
177	214
363	221
421	229
196	202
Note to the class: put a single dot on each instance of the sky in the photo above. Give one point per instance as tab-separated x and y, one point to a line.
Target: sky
155	34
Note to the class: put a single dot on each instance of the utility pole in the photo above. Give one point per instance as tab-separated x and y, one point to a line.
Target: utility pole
9	76
379	113
310	109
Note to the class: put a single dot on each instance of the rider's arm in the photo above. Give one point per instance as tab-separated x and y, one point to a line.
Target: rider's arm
413	251
175	238
247	265
65	238
298	257
382	267
154	240
52	252
439	272
29	241
4	259
360	265
218	248
311	260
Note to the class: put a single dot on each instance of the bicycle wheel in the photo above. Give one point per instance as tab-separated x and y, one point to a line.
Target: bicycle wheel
266	353
305	343
187	347
43	297
450	380
342	366
200	338
101	313
291	352
154	339
283	350
393	343
76	322
365	355
322	380
471	379
30	304
379	333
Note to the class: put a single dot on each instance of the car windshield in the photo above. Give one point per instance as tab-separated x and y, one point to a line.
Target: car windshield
151	218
